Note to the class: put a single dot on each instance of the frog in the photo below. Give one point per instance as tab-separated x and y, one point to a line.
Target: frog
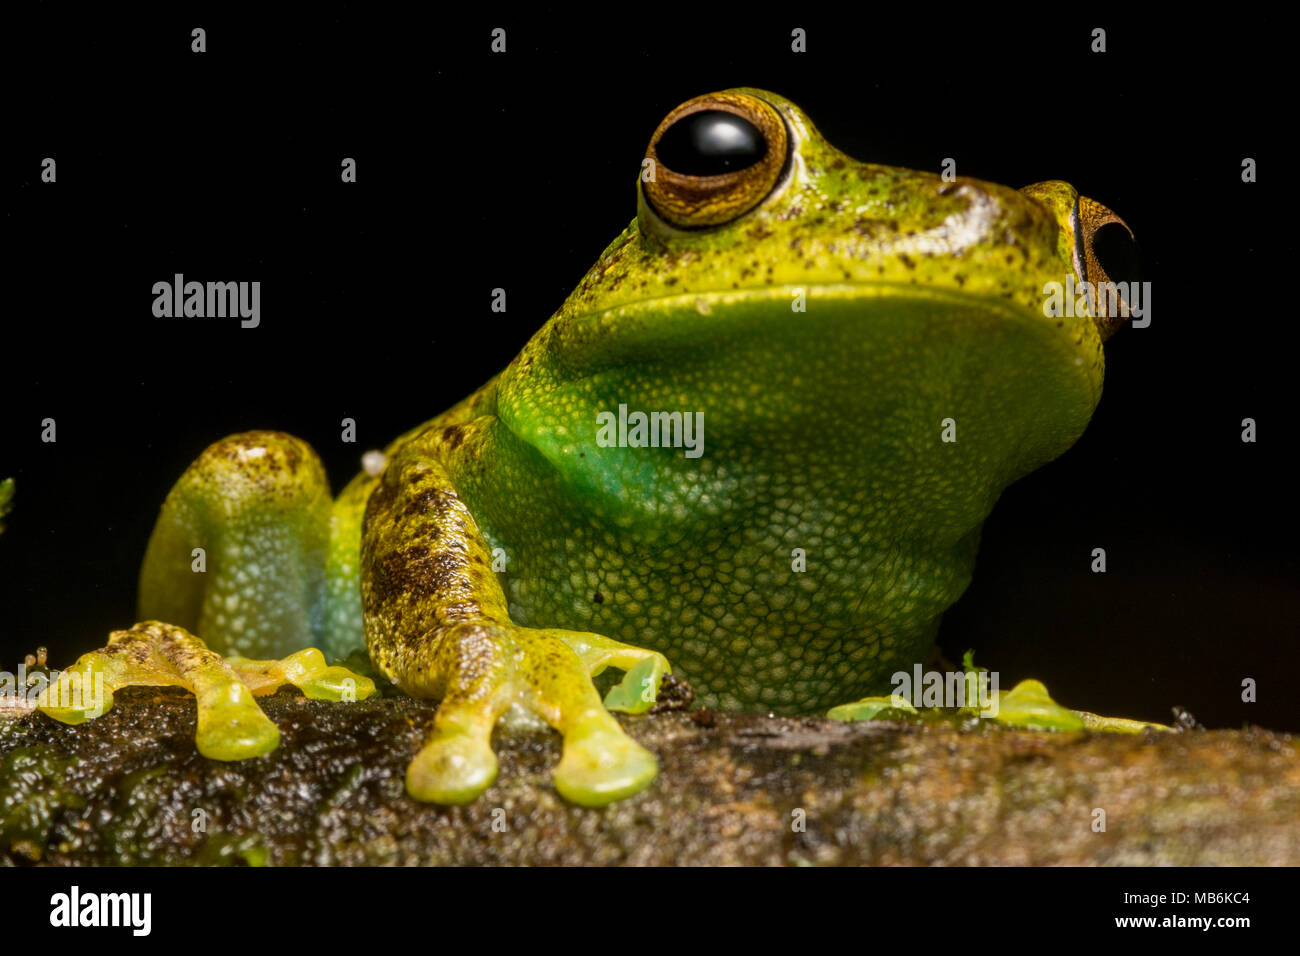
758	440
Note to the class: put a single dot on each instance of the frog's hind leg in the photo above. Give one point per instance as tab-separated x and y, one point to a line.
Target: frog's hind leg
239	551
238	556
437	624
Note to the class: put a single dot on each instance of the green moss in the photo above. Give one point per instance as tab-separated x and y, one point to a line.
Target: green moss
229	849
33	790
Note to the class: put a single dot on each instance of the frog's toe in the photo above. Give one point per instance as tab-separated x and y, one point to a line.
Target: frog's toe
644	670
232	726
872	708
452	768
1029	705
601	766
79	694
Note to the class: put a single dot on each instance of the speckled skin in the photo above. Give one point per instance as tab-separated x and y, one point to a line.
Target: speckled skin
922	302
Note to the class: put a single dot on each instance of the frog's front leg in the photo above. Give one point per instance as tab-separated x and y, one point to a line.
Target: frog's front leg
239	555
437	624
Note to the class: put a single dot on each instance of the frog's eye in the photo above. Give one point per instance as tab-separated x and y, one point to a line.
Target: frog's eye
714	158
1109	252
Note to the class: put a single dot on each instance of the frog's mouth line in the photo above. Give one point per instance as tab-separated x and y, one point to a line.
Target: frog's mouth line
776	302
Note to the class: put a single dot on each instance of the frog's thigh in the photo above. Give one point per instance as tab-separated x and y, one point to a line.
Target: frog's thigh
239	551
437	624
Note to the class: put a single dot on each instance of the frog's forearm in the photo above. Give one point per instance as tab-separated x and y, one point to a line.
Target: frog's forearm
437	624
425	571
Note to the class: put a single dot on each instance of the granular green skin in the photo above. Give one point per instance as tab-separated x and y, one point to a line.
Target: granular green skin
122	789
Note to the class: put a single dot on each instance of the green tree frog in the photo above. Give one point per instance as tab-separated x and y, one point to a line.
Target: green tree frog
759	440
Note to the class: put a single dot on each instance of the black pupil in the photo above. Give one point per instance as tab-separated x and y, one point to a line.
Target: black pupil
710	142
1116	253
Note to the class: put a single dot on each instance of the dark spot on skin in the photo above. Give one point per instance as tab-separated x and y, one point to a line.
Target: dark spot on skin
946	188
426	501
1010	258
837	164
671	280
905	260
864	227
961	279
598	598
416	572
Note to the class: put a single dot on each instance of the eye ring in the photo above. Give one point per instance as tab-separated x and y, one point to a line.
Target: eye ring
731	149
1109	255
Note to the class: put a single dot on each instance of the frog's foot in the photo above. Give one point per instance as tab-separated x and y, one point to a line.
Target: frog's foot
482	669
1027	706
231	726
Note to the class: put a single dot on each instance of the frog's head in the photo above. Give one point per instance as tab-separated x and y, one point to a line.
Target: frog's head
740	193
764	258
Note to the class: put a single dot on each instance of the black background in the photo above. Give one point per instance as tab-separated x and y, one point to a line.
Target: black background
479	171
